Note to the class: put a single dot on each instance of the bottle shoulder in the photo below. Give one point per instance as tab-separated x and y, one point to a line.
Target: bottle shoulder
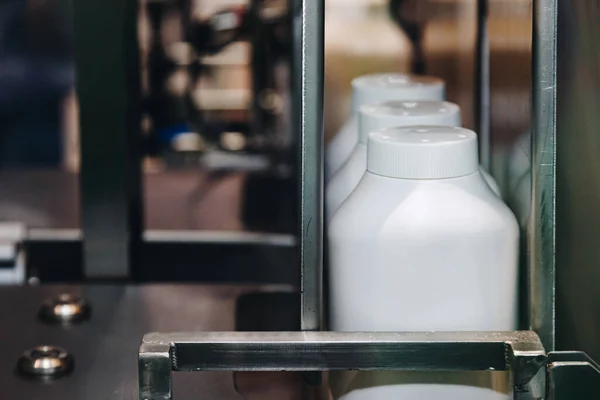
379	205
340	147
356	165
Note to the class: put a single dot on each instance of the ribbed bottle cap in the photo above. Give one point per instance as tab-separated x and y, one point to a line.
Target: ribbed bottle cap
376	88
422	152
402	113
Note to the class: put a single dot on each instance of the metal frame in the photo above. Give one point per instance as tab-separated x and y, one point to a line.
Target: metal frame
108	88
308	50
570	375
55	256
162	353
543	208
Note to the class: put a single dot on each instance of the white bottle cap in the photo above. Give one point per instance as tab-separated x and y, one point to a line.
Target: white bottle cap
376	88
402	113
422	152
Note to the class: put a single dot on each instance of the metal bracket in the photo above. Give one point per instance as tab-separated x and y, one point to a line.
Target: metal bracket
572	375
162	353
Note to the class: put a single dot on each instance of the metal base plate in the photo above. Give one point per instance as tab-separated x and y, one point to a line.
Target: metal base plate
105	348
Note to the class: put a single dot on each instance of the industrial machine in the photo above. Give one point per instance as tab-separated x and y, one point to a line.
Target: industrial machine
205	304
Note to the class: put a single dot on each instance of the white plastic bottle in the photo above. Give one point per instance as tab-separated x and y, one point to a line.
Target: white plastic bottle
375	88
423	244
384	115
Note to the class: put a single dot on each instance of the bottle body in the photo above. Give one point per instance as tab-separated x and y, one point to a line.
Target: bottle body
423	255
429	390
346	179
340	148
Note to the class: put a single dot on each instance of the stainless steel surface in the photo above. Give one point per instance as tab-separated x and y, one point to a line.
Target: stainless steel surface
206	236
309	25
65	308
577	178
45	362
572	375
542	235
105	348
178	236
162	353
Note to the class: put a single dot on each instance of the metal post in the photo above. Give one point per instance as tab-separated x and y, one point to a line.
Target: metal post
482	85
108	88
308	97
542	233
577	187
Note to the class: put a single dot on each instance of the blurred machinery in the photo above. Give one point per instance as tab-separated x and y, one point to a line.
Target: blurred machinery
214	97
226	101
178	101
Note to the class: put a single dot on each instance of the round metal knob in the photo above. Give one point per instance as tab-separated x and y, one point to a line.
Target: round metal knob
45	362
66	308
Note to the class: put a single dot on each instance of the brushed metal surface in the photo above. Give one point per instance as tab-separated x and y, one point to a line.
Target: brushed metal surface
577	184
105	348
309	26
163	353
572	375
542	227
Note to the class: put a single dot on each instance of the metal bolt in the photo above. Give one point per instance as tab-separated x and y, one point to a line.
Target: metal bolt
66	308
45	362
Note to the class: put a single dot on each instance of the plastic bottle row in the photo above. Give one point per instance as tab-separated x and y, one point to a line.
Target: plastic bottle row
419	237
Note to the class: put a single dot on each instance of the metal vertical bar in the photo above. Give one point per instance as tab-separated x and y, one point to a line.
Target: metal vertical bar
308	93
542	227
108	88
154	371
482	85
577	146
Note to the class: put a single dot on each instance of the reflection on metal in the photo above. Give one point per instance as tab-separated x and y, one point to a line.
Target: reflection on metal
176	236
65	308
162	353
214	236
572	375
45	362
542	224
308	28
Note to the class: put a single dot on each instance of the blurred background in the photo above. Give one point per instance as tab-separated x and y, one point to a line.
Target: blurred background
216	139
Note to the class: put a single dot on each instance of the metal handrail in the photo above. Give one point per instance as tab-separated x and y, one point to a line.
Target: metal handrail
161	354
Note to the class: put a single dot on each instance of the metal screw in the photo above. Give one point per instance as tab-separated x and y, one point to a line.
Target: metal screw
45	362
66	308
